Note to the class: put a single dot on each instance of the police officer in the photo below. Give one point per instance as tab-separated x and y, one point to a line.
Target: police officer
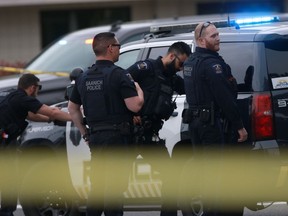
15	108
211	92
109	98
158	79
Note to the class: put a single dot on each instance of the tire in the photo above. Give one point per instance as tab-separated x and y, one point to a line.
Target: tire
190	200
43	193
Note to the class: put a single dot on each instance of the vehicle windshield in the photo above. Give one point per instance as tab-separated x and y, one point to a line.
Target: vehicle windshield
64	56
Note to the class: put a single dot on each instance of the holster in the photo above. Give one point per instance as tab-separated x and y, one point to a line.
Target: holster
205	115
189	114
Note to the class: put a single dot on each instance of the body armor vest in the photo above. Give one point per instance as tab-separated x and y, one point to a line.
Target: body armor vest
99	106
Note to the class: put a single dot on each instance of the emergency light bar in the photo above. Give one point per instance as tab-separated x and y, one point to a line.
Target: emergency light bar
257	20
189	27
183	27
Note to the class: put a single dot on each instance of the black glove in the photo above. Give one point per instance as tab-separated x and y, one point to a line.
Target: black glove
59	123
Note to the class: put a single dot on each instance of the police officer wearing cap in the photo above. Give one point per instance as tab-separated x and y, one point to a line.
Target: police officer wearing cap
158	79
211	92
15	108
109	98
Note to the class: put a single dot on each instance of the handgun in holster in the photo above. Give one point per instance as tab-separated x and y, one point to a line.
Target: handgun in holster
208	114
187	116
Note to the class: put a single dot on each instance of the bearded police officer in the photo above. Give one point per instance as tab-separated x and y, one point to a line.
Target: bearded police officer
109	98
211	93
158	80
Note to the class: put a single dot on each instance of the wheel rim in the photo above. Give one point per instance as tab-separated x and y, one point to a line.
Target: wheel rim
196	206
53	204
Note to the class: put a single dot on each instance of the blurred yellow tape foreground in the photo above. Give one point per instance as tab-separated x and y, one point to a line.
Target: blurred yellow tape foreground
230	179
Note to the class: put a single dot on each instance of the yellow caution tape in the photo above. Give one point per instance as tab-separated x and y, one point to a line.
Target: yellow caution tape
22	70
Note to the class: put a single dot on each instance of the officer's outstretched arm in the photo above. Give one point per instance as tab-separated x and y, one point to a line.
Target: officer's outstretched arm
54	113
37	117
134	104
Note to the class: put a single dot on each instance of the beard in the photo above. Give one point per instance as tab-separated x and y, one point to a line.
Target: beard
212	46
170	69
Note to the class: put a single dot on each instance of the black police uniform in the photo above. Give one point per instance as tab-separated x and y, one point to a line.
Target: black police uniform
152	78
14	110
211	95
210	87
102	90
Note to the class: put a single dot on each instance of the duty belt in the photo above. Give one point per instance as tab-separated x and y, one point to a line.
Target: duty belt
124	126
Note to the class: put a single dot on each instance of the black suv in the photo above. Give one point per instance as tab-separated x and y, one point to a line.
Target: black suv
257	53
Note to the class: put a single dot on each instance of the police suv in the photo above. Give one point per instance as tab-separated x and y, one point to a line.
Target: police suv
257	51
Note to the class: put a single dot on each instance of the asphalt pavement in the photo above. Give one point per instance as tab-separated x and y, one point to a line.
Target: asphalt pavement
278	209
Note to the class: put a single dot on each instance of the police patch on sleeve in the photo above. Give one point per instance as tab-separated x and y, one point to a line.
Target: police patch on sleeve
187	71
142	65
218	68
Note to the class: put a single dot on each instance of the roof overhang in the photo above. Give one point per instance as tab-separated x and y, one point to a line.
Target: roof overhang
15	3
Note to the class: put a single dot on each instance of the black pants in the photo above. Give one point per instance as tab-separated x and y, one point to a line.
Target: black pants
209	146
156	154
9	179
111	162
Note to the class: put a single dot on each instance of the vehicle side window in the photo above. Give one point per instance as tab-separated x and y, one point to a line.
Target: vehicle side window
126	59
240	58
155	52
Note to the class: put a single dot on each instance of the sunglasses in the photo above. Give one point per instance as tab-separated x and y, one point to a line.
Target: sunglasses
118	45
39	87
205	25
180	62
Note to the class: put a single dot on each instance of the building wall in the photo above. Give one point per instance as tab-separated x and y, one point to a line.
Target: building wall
20	33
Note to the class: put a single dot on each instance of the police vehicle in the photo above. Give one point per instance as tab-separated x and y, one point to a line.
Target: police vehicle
257	51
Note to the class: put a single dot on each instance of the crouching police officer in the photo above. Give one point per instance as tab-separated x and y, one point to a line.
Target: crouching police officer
158	79
109	98
211	94
15	108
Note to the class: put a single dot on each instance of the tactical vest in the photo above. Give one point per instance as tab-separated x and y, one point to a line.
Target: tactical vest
199	98
158	100
98	105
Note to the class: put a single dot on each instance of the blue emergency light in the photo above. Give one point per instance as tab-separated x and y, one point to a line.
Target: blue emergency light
257	20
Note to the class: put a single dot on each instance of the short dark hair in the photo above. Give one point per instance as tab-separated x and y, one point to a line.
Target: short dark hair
180	47
101	41
27	80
